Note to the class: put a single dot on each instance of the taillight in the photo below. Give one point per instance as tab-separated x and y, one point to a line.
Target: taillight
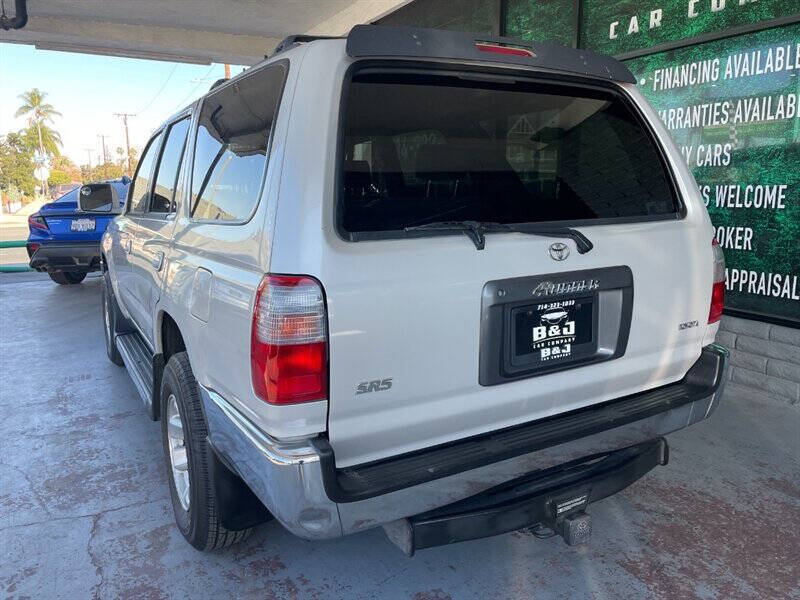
718	288
289	340
37	222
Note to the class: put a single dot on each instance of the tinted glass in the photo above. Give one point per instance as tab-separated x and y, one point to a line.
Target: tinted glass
97	197
140	188
167	173
232	144
71	196
426	149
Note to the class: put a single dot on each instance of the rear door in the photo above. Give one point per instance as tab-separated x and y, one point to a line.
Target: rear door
433	339
128	226
155	225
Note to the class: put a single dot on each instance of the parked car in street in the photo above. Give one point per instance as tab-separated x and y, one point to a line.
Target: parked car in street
447	285
63	188
63	241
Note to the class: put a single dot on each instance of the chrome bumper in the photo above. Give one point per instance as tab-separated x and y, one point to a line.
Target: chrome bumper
288	476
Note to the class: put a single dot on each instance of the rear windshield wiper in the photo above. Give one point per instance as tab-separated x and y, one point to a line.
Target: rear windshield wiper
581	241
475	231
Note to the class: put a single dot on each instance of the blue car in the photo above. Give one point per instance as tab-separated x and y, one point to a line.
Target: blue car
64	242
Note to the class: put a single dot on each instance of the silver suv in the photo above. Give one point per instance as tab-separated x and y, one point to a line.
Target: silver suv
413	279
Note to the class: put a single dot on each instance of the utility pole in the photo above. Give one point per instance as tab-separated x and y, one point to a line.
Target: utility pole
124	117
105	153
89	154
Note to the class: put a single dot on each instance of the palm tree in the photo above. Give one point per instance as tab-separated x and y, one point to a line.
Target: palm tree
38	112
48	137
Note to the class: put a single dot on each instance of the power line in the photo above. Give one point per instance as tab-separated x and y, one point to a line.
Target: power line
194	89
161	89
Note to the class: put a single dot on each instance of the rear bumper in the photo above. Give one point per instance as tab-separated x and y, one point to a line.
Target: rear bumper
66	257
300	485
548	497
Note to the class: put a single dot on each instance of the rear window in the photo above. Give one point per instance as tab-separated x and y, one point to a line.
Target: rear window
232	145
420	149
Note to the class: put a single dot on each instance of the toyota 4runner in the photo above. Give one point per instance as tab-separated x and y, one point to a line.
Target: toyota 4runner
447	285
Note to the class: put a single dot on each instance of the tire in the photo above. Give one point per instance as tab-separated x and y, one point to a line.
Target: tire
112	319
195	508
66	277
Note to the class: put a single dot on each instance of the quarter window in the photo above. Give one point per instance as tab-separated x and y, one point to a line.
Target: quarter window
168	168
140	189
231	149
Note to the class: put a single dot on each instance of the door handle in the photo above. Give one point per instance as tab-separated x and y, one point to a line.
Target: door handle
128	246
157	260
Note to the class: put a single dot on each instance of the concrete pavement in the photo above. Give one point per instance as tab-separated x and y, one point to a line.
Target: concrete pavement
86	512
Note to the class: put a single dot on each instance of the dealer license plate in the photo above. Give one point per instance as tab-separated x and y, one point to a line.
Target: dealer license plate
550	331
82	225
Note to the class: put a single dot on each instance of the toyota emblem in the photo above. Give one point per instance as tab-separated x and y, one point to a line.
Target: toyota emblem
558	251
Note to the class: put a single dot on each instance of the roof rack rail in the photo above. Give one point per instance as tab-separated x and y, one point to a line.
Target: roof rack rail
292	40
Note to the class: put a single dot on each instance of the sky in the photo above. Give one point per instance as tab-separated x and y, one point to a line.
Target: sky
88	89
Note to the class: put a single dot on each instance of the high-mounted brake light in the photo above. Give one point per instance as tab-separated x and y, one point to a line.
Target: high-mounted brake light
289	340
718	288
37	222
501	49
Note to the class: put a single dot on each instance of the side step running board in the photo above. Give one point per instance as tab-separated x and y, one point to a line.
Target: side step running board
145	369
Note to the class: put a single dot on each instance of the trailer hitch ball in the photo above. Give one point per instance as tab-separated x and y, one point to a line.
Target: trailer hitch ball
575	528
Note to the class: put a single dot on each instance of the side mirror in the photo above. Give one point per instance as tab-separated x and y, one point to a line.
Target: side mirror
99	198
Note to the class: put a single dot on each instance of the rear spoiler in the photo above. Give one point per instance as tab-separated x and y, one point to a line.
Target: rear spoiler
369	41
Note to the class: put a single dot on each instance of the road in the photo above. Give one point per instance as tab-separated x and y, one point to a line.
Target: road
86	512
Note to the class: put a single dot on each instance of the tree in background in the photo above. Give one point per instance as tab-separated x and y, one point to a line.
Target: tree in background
49	137
109	170
39	113
63	170
16	164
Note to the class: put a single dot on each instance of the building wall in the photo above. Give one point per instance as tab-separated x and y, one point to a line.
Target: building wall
764	357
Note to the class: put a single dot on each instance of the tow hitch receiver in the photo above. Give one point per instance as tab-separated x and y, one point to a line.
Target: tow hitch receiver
575	529
555	497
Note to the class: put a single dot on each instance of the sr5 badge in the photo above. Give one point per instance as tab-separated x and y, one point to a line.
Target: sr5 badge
378	385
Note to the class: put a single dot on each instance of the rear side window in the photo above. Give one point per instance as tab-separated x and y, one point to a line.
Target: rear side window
232	144
140	188
421	149
167	171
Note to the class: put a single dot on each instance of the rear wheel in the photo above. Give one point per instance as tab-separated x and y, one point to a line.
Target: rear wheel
183	434
66	277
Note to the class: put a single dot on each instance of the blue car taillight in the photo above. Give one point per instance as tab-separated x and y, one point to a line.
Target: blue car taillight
37	221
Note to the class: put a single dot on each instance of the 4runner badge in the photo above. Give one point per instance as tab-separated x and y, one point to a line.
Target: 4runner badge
548	288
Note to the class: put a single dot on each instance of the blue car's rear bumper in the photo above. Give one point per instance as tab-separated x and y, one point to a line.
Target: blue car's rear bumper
81	257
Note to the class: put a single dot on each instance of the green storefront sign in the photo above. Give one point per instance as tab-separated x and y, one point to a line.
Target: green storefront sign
732	108
724	75
620	26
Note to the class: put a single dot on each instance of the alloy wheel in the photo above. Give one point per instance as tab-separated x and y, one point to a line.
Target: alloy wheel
177	452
